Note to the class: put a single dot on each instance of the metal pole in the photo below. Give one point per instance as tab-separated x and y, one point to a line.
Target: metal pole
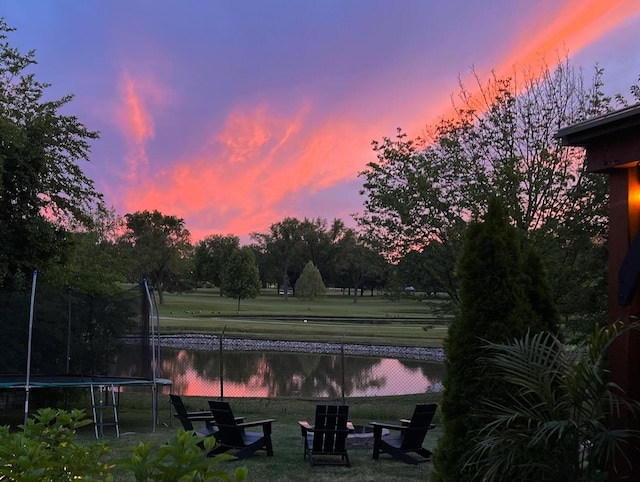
28	379
154	407
222	366
69	331
343	369
153	344
157	336
157	361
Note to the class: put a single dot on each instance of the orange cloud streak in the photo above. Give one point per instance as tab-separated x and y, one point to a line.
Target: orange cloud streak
575	26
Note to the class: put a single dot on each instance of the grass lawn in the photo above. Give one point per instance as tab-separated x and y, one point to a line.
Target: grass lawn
287	462
372	320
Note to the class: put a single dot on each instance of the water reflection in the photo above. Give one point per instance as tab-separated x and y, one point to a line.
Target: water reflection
273	374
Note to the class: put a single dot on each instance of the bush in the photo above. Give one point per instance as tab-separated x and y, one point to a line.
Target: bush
45	450
181	459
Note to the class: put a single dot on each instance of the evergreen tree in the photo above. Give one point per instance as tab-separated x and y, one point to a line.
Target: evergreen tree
310	285
503	294
241	278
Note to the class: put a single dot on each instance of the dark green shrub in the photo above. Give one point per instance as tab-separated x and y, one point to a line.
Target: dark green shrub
503	295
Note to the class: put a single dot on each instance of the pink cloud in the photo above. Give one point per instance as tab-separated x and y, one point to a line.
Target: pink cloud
259	159
134	120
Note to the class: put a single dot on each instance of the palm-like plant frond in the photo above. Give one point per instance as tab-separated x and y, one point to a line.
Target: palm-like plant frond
552	420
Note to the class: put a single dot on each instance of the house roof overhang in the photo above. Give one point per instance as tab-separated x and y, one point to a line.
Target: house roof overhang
612	140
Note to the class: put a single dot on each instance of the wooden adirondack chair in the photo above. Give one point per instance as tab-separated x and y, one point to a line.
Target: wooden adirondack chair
187	418
327	438
409	436
231	433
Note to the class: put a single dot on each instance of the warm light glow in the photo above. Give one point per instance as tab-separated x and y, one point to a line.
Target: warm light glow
634	200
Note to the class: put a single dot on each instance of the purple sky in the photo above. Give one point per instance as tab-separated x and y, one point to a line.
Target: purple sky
236	114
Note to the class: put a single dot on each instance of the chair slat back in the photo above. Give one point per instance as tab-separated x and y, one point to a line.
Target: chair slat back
418	426
330	429
228	431
181	411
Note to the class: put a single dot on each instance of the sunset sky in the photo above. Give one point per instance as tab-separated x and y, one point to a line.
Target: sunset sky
234	114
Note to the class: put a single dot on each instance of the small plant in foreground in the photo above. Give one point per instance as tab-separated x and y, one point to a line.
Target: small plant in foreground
45	450
181	459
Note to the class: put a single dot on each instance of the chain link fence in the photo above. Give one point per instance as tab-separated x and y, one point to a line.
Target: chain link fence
217	367
81	335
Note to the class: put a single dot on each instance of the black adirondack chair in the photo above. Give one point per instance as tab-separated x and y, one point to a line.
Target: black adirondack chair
231	433
326	441
187	418
408	437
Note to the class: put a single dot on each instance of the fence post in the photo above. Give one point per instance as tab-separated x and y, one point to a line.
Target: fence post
222	365
342	365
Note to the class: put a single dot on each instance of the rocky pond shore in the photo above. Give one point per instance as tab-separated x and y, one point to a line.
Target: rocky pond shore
212	342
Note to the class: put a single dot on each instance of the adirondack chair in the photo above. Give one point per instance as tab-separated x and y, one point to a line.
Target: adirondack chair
408	438
327	438
187	418
231	433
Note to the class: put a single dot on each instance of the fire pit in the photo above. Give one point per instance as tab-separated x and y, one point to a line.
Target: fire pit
362	437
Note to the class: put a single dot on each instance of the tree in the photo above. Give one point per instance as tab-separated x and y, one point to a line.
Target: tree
320	244
310	285
498	302
421	193
241	278
413	271
282	242
94	263
157	243
43	191
210	256
356	261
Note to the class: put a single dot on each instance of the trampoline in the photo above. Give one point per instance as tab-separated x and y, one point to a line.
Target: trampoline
67	328
104	390
75	381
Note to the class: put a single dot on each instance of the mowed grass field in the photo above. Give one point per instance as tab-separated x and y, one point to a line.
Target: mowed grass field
335	318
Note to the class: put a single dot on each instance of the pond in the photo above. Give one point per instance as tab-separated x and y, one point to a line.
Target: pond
276	374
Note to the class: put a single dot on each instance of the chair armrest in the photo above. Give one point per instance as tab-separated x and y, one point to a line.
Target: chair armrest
255	423
406	422
197	413
204	417
304	424
391	426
